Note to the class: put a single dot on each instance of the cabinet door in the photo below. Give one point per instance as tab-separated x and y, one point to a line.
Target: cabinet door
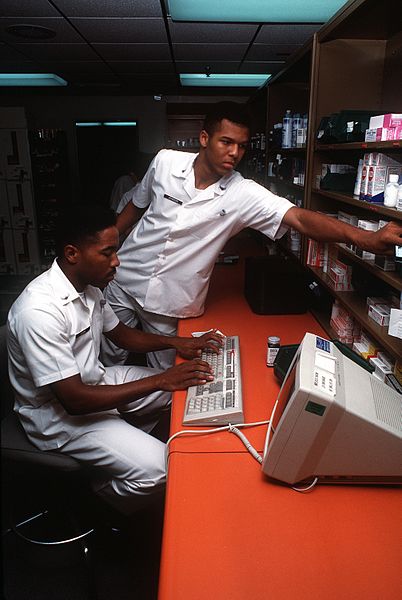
15	162
21	204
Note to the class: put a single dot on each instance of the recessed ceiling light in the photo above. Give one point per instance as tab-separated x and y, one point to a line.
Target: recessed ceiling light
223	79
31	32
106	123
88	124
120	123
255	11
30	79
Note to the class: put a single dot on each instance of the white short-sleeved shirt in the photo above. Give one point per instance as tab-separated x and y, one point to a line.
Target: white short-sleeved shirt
167	260
54	334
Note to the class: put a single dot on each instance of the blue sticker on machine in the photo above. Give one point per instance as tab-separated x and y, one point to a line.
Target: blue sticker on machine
323	344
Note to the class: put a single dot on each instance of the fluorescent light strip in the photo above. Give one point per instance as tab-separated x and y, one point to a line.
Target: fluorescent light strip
106	124
89	124
255	11
223	79
31	79
120	123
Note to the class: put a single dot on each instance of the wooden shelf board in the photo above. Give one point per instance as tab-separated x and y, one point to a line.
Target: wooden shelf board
379	209
390	277
370	146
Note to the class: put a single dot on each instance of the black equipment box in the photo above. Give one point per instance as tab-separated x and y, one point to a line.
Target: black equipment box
275	285
345	126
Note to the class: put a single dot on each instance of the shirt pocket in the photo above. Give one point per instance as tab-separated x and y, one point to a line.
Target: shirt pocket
205	226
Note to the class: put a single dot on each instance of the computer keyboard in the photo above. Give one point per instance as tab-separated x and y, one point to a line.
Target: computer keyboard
218	402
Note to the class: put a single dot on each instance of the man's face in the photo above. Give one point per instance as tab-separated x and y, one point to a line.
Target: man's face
97	258
224	149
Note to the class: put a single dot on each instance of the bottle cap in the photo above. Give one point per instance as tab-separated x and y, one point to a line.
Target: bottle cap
273	339
393	178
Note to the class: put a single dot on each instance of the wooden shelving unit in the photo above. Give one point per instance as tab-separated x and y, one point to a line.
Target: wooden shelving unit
355	66
353	63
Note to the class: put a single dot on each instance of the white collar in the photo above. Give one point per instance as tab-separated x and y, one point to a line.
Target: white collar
63	286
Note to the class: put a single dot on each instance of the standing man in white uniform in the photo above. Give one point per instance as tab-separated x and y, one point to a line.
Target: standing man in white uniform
121	186
193	204
65	398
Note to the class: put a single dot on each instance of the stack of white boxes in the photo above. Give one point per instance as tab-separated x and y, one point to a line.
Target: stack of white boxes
374	176
367	225
19	250
384	127
346	328
340	275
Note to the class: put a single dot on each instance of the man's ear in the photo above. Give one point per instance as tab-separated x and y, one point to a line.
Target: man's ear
204	137
71	254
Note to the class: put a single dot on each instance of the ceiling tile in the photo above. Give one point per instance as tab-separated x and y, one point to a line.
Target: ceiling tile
28	66
270	52
211	32
57	51
150	66
285	33
28	8
106	8
10	53
133	51
215	66
122	30
77	66
261	67
209	51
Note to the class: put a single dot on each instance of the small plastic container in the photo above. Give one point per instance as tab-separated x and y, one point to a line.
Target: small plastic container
399	205
274	343
391	191
287	130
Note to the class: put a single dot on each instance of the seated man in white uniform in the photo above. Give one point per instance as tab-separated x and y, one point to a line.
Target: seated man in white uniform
194	203
64	396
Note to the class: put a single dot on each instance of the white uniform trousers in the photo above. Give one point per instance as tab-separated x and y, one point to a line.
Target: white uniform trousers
131	462
130	313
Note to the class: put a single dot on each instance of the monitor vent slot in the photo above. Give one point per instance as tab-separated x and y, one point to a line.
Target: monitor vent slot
388	408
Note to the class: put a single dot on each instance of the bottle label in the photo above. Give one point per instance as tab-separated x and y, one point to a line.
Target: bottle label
271	354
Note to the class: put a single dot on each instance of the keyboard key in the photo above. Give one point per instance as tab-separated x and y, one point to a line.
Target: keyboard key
216	402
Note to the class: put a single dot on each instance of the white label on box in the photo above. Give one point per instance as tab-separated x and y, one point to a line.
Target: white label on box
388	120
395	323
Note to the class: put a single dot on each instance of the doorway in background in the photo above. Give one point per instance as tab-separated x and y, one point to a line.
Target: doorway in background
105	152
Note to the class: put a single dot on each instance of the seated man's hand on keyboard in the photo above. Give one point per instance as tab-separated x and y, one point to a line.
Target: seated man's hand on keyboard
192	347
180	377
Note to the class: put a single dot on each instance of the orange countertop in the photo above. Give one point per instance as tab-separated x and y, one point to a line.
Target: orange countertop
231	533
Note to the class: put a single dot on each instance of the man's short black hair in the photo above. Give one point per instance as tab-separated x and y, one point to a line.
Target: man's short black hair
232	111
79	222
